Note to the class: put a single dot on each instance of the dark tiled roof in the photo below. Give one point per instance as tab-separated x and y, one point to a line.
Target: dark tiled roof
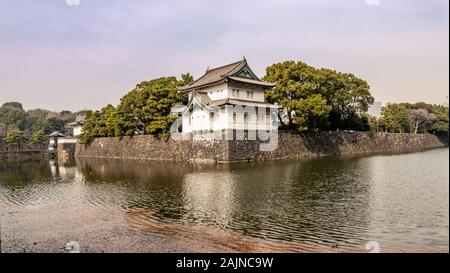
205	98
220	74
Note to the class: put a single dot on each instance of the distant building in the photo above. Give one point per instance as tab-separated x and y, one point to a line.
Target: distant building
375	109
68	136
76	127
53	140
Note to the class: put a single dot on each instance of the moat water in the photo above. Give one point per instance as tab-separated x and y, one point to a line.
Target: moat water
399	201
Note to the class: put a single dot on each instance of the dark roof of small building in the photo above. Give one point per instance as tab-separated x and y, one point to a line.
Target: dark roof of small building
74	124
237	71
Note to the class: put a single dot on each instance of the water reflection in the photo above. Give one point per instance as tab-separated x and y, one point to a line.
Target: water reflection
327	201
309	201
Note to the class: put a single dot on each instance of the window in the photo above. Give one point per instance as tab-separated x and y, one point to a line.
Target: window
251	94
237	93
234	117
248	94
234	92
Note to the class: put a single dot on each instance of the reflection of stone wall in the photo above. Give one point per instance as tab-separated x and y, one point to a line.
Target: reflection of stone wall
290	145
24	155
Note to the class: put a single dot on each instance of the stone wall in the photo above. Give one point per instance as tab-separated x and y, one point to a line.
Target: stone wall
290	145
301	145
66	151
152	148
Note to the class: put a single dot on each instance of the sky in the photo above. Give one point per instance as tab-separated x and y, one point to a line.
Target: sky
64	55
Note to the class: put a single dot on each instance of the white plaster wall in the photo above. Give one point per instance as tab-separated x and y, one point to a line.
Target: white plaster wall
226	118
258	93
77	130
224	91
217	92
247	118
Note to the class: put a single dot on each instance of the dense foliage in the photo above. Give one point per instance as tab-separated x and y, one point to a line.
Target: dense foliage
320	99
144	110
16	138
412	118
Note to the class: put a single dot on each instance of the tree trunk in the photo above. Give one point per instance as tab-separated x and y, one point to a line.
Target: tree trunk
289	115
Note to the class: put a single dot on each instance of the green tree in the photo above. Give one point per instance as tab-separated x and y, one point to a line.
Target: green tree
347	96
104	123
294	81
16	138
38	137
414	118
146	109
54	124
374	124
310	111
441	122
14	117
186	79
89	130
394	118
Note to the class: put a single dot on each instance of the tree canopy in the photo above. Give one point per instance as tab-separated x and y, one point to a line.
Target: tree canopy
144	110
413	118
38	137
16	138
341	99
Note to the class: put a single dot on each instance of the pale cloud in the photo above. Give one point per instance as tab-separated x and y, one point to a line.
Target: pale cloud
73	2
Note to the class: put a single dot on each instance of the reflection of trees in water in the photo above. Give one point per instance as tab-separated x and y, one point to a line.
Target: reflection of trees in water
317	200
133	184
18	173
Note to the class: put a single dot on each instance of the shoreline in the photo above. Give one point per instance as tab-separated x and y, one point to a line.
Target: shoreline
289	146
313	157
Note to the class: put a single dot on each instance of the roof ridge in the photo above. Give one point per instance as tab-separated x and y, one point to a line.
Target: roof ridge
235	64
